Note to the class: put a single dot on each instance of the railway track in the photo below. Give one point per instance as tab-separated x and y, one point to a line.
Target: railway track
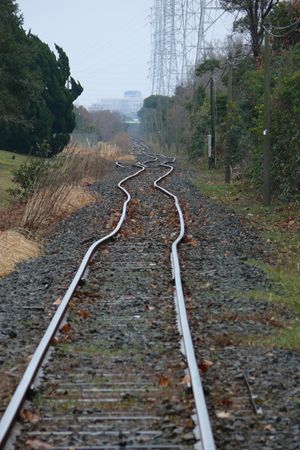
108	373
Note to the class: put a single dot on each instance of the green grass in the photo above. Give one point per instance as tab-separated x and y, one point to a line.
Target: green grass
285	285
7	164
273	224
286	291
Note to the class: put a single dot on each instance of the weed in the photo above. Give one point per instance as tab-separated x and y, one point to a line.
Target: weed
56	187
9	161
279	225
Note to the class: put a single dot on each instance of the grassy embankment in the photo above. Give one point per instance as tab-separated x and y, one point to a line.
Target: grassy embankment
279	225
57	188
7	164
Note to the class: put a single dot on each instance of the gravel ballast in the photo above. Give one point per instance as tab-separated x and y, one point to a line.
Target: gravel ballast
227	323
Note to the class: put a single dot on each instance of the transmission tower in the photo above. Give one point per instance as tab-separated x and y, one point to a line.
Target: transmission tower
178	40
164	49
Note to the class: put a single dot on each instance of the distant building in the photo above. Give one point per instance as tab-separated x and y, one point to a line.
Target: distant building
128	106
132	94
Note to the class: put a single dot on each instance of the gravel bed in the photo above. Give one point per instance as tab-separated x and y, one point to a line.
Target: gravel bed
27	295
118	357
227	323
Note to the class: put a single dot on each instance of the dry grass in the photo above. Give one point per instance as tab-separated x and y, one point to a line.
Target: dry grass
107	151
14	248
122	141
59	190
77	198
62	201
112	152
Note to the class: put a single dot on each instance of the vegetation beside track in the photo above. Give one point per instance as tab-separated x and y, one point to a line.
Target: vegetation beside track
9	161
37	90
279	225
42	192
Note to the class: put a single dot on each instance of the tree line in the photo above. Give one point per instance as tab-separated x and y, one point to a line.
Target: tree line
36	89
105	124
183	121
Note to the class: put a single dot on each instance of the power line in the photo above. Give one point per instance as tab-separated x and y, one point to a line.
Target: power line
132	27
287	26
178	40
282	34
278	35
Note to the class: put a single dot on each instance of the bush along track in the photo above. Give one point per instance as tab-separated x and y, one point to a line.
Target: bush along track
251	386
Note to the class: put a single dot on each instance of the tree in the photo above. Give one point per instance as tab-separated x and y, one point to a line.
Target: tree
285	23
285	135
36	103
12	39
285	170
104	123
153	117
254	14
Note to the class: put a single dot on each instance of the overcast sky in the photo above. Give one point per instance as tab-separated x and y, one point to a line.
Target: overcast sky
108	42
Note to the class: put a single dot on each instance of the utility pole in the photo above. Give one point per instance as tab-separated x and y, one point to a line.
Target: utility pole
227	155
212	159
267	122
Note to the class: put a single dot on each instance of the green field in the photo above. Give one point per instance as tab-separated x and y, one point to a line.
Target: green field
7	164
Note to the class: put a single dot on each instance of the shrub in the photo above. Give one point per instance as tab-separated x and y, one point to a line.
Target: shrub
26	175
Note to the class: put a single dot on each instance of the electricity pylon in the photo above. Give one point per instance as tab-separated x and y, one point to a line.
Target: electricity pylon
178	40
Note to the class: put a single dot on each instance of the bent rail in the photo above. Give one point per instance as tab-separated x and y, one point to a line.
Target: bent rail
204	425
37	359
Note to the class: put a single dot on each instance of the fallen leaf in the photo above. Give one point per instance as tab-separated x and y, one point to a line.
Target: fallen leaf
269	427
66	328
226	402
57	301
29	416
206	285
164	381
190	240
205	365
54	342
65	338
37	444
186	379
149	308
223	415
83	313
190	424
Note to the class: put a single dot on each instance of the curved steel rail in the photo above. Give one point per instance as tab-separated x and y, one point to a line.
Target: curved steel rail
204	425
153	159
31	371
120	165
